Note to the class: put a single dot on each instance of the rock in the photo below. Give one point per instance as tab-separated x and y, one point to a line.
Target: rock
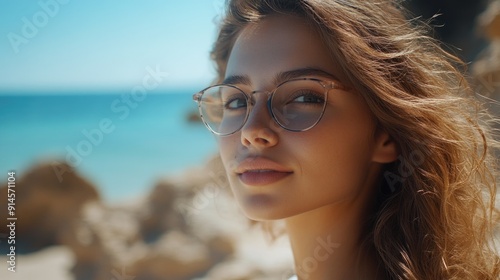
49	198
489	21
102	240
164	267
176	256
486	70
220	248
159	214
193	117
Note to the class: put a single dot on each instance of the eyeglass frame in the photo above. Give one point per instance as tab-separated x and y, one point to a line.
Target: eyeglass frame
327	85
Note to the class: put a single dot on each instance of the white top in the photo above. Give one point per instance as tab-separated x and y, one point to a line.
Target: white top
293	278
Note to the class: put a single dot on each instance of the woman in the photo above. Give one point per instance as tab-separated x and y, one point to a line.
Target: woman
341	118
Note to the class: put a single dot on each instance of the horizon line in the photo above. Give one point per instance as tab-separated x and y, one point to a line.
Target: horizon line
94	90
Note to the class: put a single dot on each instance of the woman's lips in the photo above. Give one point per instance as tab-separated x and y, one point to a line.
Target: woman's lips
260	171
262	177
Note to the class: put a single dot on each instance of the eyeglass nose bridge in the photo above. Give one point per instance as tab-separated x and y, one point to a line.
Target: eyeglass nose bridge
252	102
251	94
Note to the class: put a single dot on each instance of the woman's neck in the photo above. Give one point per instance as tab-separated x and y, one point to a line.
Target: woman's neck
327	242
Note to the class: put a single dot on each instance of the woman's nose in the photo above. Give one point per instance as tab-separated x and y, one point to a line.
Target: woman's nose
259	130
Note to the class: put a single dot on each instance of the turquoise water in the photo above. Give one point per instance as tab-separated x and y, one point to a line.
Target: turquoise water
123	147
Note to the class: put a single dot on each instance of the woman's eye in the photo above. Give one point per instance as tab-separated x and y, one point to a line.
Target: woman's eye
236	103
308	98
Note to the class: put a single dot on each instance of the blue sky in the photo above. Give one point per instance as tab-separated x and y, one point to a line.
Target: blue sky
104	44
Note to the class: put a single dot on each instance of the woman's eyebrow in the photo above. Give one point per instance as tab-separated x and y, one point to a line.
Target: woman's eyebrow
282	76
302	72
237	79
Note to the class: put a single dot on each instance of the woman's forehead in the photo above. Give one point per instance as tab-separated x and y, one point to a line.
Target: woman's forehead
277	44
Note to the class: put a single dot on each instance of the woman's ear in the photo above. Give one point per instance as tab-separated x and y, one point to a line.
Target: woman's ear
385	150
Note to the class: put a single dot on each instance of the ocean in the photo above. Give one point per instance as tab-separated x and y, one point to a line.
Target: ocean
123	146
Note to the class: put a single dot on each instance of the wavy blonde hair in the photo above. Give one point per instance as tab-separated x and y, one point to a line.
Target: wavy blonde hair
436	215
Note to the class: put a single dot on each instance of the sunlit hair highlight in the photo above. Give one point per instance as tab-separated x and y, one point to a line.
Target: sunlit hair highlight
436	216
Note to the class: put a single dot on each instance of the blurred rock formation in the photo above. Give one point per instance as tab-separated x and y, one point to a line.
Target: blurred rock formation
486	69
193	117
178	231
49	198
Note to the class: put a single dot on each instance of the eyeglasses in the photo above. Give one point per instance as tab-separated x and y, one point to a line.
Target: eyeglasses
295	105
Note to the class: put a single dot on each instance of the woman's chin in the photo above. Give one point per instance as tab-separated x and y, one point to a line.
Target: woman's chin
261	207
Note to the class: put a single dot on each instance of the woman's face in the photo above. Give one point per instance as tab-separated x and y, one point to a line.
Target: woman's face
275	173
